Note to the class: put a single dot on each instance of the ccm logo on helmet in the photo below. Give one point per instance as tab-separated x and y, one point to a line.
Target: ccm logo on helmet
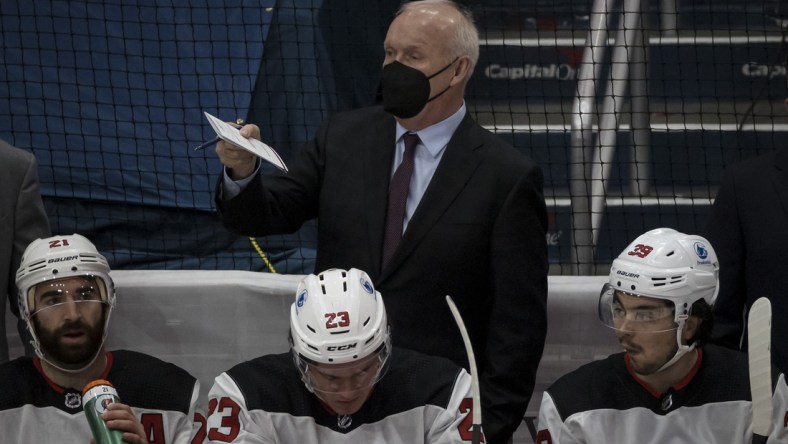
342	347
62	259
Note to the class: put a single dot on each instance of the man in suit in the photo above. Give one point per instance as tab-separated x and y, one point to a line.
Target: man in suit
474	219
747	227
22	220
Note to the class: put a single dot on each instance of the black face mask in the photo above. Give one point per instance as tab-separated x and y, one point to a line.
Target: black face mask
406	90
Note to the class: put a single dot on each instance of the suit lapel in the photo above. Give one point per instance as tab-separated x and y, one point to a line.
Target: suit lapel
456	167
779	176
378	156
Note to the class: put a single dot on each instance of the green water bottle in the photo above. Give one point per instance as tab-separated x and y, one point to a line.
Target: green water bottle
96	397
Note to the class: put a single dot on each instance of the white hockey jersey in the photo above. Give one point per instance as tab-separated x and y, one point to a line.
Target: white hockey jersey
33	409
420	399
605	402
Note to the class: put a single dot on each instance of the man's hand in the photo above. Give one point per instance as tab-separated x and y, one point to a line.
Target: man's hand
239	162
120	417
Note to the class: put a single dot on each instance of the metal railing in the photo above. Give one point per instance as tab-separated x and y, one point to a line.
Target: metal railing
592	150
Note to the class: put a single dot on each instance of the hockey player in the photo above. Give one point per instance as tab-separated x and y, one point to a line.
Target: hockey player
341	382
66	297
668	385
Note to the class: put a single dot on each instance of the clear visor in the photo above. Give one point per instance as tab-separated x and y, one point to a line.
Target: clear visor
54	296
630	312
341	378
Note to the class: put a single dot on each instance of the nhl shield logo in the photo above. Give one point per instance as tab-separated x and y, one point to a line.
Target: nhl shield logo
73	400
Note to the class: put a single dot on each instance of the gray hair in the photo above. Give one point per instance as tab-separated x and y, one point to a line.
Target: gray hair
466	41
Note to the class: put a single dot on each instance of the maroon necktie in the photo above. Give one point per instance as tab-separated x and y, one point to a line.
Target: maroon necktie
398	196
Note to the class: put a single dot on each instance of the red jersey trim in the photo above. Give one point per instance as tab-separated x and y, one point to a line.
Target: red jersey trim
680	385
61	390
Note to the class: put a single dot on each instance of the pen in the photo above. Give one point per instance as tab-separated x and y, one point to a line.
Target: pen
238	122
207	144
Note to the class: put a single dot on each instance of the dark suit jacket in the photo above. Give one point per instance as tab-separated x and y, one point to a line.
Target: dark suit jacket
478	235
748	229
22	220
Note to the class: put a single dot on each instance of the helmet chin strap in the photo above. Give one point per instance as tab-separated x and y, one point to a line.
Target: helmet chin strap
62	368
307	382
682	349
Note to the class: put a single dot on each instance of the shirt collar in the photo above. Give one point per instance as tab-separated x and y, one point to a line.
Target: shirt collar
436	137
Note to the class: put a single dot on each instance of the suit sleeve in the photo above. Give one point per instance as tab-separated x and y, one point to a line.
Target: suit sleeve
229	420
725	234
278	202
518	323
30	223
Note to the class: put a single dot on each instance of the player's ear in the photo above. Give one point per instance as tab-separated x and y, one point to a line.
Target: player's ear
691	326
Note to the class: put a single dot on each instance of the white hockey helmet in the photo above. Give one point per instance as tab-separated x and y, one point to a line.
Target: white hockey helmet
338	318
55	258
665	264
